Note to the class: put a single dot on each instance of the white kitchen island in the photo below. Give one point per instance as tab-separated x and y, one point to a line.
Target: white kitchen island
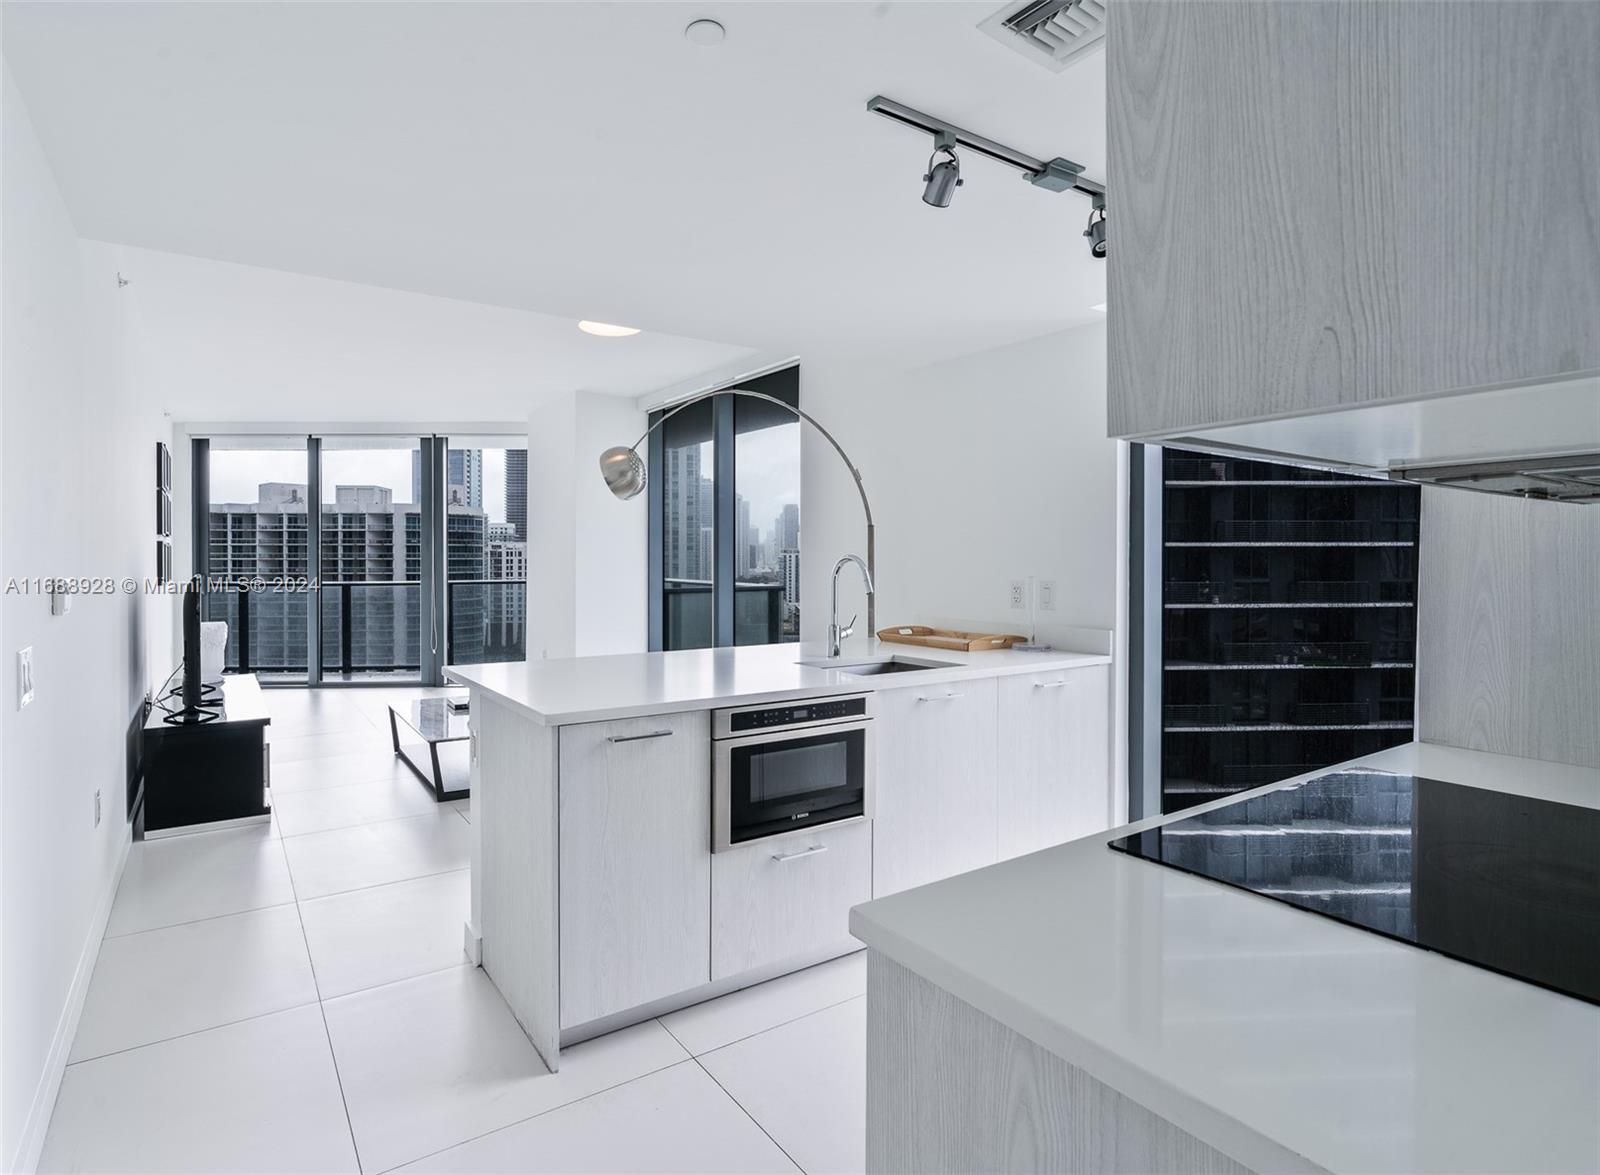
1080	1009
596	898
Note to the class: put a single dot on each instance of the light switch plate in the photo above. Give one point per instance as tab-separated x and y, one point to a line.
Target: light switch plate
1047	595
24	677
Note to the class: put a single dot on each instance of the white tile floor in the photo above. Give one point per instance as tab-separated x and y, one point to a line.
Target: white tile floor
293	997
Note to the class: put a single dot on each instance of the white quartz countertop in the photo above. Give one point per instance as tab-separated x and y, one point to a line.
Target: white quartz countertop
628	685
1283	1038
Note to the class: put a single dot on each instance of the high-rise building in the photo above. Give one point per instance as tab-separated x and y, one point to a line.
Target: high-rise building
786	528
507	612
517	491
789	576
744	563
463	477
371	567
686	500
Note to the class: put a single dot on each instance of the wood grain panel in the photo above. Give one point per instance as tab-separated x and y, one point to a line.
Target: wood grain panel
1054	777
951	1089
765	911
1325	203
936	799
635	863
514	816
1508	616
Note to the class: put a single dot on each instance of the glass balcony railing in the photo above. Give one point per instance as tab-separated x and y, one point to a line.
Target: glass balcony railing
372	629
488	621
686	619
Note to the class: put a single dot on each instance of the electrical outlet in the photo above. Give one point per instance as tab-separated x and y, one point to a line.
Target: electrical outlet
1047	595
97	807
1019	598
24	677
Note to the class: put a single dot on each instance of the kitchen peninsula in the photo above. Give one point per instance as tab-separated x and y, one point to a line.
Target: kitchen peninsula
654	829
1081	1009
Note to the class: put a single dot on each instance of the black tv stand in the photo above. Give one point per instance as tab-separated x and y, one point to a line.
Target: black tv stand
205	768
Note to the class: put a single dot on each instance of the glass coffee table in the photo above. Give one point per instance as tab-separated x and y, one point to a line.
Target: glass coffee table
423	734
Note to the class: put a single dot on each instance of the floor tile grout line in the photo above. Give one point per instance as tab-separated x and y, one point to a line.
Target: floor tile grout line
380	884
746	1112
133	1048
422	815
759	1031
384	885
372	987
322	1012
196	921
686	1060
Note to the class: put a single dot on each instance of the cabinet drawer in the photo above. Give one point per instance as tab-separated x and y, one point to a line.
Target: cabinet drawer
635	862
782	899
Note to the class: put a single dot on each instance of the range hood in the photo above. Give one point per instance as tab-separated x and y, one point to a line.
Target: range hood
1556	479
1539	440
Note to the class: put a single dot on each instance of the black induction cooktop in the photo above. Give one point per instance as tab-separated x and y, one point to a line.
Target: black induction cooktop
1498	880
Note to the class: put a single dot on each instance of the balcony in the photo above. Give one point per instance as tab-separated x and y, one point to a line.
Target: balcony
758	614
371	630
487	621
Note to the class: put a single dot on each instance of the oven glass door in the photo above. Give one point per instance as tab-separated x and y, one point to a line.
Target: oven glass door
796	782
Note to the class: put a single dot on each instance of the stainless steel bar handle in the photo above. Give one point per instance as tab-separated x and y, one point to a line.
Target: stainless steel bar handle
633	738
811	852
1048	684
940	697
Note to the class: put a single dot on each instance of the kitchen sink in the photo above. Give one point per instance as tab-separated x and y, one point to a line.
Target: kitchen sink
878	668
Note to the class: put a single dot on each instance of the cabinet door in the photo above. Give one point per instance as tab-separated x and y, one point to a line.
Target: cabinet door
1054	778
1398	199
936	813
788	898
635	862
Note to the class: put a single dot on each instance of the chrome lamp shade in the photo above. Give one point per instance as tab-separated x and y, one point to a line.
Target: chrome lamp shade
623	470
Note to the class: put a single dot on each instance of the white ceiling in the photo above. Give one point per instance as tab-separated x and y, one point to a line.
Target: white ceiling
238	343
584	160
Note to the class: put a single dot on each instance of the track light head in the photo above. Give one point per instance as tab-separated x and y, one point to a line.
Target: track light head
1096	232
943	178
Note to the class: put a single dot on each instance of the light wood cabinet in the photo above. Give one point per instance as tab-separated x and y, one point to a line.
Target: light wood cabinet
788	898
936	795
635	862
1053	780
1323	204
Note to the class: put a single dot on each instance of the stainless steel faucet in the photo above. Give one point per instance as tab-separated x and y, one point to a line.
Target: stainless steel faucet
835	633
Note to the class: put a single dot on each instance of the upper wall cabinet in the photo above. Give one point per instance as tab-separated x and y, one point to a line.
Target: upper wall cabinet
1322	204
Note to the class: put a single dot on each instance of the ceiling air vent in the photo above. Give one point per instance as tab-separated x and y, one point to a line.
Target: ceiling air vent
1055	33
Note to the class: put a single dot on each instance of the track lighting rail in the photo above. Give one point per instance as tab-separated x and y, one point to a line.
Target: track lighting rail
1056	175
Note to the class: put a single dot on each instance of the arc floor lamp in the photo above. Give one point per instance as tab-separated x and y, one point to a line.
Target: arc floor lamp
624	471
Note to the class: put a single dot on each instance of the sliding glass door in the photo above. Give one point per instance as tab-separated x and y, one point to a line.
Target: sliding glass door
371	559
486	550
416	558
254	553
725	519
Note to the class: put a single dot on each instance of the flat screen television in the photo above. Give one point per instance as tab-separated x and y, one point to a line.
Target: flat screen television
193	685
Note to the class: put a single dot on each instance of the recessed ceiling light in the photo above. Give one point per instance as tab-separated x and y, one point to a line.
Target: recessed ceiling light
704	32
1100	307
606	330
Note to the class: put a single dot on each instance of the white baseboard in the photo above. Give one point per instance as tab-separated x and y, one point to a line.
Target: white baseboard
31	1144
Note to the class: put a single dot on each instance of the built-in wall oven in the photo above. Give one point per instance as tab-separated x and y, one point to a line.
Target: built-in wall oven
787	767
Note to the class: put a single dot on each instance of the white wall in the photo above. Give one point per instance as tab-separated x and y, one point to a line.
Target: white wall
587	558
980	470
78	499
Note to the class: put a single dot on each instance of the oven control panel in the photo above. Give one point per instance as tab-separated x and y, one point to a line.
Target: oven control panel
797	714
